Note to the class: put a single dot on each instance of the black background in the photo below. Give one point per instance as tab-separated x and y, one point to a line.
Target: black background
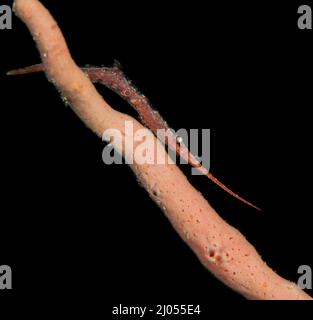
85	235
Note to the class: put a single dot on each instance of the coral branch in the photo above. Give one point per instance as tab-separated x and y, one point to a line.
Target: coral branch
220	247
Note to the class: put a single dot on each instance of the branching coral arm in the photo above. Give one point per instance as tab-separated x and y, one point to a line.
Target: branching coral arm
220	247
115	79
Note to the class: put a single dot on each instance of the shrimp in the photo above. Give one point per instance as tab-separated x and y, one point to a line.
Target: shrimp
114	79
